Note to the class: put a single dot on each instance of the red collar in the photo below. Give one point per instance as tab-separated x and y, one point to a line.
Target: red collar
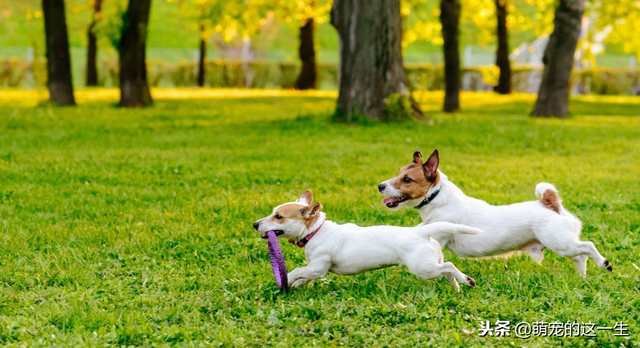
308	237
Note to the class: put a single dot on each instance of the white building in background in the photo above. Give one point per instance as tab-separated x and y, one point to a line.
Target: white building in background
531	53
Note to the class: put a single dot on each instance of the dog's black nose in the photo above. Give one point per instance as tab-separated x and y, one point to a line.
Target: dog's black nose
256	225
381	187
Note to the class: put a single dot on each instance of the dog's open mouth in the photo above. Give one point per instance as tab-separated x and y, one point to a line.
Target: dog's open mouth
392	202
263	235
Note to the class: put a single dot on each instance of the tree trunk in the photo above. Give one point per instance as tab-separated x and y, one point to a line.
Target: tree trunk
309	72
58	60
450	19
553	96
134	88
502	55
92	47
371	67
202	57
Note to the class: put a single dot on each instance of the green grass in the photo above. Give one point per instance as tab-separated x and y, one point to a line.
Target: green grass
133	227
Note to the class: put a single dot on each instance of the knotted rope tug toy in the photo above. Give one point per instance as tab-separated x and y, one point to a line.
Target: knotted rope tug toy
277	261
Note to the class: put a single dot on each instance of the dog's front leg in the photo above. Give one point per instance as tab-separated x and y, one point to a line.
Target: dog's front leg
302	275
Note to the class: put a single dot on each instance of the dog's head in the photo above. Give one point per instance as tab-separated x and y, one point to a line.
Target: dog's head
412	182
291	219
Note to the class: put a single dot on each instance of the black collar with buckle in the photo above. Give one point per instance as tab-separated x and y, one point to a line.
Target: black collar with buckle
427	200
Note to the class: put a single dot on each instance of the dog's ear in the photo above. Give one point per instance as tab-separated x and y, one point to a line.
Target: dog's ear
432	163
305	198
417	157
311	211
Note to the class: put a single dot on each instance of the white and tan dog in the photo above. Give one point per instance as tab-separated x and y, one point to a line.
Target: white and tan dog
529	226
350	249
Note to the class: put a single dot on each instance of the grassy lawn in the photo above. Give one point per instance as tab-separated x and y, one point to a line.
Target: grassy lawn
133	227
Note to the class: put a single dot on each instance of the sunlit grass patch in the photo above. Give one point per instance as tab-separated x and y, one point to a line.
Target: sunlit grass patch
34	97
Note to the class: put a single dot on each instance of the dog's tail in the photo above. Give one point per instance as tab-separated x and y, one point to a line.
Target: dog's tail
445	227
549	197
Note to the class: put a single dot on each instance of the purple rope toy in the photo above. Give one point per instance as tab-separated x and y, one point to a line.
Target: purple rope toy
277	261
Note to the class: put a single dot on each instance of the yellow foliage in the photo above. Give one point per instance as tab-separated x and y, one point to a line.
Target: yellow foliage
622	18
490	74
423	23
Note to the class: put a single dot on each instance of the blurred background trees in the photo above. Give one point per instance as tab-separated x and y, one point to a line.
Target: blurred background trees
206	16
371	64
450	19
58	60
132	48
92	45
304	16
484	45
502	52
553	97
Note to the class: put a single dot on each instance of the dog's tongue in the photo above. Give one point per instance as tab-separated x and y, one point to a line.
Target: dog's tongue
390	200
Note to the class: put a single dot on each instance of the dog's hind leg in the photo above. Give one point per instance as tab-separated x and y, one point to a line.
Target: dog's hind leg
585	250
581	264
588	249
562	235
452	280
450	269
427	263
536	250
447	269
579	251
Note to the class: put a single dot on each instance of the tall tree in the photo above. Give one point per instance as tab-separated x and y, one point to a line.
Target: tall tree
134	88
371	67
58	59
450	19
92	46
553	96
478	21
208	17
308	78
202	56
502	54
304	15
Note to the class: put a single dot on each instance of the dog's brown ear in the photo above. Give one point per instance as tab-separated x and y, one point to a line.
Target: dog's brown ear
417	157
312	210
305	198
432	163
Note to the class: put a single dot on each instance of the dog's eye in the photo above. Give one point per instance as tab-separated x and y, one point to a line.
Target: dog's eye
278	216
407	179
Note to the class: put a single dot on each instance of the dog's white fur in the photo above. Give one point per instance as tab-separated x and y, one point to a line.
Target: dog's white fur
527	226
349	249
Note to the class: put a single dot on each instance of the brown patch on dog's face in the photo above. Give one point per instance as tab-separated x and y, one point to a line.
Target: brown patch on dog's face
288	219
412	181
286	211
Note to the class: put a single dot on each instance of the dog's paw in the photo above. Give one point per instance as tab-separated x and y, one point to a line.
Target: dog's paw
471	282
607	265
